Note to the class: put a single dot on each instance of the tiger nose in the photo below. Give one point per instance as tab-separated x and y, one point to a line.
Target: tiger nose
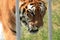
33	23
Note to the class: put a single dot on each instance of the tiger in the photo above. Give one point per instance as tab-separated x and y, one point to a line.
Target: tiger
31	15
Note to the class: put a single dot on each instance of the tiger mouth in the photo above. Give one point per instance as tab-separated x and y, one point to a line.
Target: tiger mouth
33	31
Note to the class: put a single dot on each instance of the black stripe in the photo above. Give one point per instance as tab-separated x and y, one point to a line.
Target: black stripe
31	12
23	10
13	30
23	4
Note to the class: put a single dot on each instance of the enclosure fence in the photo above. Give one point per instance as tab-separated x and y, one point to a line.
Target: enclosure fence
49	20
18	26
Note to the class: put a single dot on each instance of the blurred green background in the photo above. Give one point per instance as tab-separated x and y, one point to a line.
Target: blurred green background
43	32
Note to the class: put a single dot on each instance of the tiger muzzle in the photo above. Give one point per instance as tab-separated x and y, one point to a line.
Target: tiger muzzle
33	29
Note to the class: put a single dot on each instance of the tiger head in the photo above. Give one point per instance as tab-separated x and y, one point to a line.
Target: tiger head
32	15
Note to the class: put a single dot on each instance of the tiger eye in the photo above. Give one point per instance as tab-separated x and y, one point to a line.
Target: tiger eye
31	4
40	3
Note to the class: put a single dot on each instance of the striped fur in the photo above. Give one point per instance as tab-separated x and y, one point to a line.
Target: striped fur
31	14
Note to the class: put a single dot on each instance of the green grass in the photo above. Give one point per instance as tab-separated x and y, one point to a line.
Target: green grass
43	32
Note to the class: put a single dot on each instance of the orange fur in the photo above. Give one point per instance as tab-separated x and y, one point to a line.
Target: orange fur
7	17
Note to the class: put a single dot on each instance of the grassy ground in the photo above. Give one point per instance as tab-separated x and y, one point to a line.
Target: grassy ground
43	32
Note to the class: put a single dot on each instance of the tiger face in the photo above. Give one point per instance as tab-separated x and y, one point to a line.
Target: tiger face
32	15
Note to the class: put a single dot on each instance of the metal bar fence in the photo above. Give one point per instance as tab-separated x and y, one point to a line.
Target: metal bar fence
49	20
18	26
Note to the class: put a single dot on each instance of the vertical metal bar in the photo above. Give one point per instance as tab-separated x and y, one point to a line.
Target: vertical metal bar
18	28
49	20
